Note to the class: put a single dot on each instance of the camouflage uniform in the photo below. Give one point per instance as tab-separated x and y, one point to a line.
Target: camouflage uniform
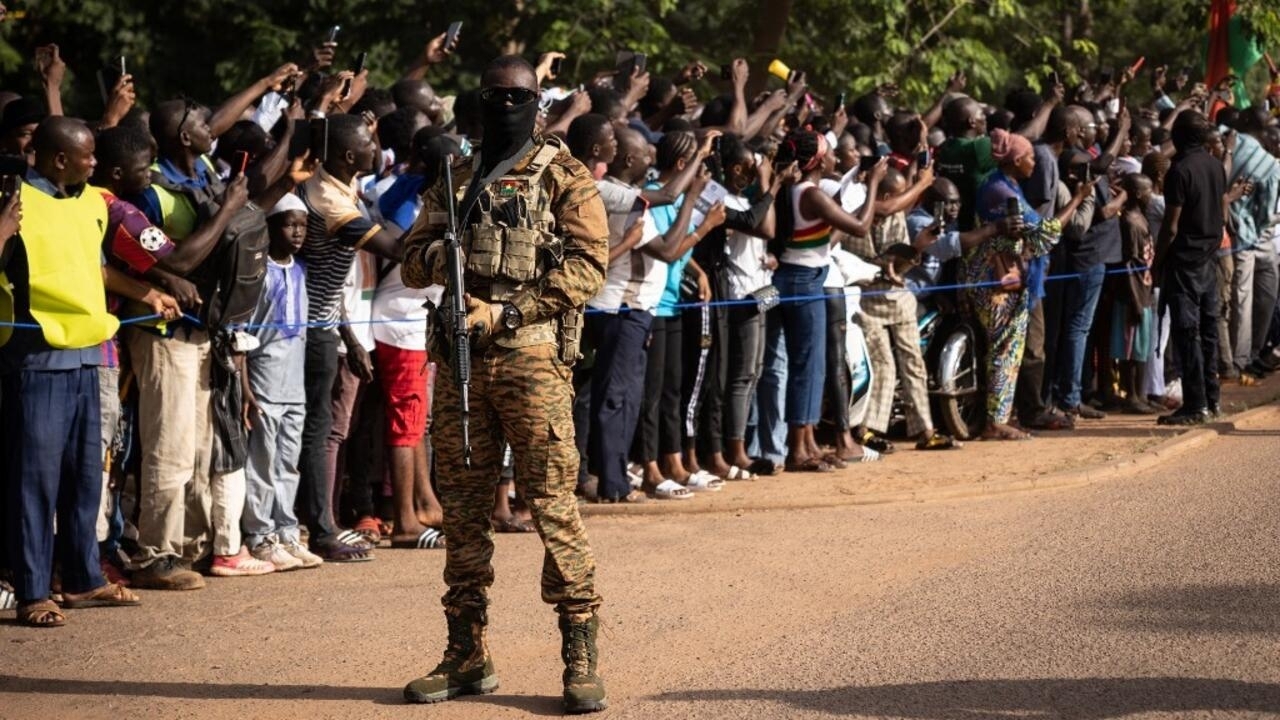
521	388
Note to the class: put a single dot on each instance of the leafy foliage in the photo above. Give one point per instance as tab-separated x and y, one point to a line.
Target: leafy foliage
210	48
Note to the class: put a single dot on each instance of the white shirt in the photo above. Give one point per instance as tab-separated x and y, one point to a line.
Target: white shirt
630	276
357	299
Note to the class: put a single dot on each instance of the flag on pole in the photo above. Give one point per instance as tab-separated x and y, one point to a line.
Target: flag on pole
1233	49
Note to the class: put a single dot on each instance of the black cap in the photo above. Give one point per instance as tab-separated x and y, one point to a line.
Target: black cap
19	112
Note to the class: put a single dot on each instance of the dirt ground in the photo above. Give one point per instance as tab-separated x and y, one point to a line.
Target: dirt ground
721	614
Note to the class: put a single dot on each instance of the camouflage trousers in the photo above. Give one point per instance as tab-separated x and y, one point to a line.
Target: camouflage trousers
526	397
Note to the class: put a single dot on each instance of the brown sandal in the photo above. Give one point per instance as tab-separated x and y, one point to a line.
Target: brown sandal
815	465
41	613
109	595
1004	432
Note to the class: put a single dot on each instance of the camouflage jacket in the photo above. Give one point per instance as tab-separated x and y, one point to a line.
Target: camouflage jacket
580	222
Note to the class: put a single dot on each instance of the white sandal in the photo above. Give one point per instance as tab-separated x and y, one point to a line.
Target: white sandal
671	490
737	473
703	481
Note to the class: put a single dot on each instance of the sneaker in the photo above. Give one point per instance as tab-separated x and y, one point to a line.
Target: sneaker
298	550
270	551
1184	418
166	574
1086	412
242	564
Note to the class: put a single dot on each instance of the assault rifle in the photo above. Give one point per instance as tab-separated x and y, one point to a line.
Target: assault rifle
457	313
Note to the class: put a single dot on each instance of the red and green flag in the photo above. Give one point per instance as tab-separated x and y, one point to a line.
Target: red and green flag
1233	48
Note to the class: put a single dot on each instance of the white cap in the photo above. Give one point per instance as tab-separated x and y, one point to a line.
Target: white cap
288	203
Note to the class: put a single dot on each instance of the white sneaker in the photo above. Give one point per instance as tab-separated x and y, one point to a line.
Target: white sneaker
300	551
271	551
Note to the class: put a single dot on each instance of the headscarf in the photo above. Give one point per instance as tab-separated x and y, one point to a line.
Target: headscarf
1008	147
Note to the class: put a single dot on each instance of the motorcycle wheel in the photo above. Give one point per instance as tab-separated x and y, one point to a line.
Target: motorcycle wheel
961	398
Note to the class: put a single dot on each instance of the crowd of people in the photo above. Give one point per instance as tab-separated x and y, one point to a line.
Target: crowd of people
212	364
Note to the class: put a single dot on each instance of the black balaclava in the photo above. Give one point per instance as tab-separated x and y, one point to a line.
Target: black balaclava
506	129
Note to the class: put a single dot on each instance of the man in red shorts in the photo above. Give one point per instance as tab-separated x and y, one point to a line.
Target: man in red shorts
400	331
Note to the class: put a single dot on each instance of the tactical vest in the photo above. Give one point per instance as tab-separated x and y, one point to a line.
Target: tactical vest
510	244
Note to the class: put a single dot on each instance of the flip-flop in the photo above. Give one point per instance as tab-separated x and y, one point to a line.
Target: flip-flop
430	539
763	467
512	525
339	552
635	497
671	490
370	528
703	481
876	442
737	473
109	595
8	600
938	441
355	539
42	613
810	465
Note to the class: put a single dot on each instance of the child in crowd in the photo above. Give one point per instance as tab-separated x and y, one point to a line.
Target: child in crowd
275	398
1133	310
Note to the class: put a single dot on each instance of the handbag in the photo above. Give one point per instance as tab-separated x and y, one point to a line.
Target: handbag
767	298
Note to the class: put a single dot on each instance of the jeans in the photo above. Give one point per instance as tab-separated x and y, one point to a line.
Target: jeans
1080	300
313	467
806	323
53	448
767	432
1193	300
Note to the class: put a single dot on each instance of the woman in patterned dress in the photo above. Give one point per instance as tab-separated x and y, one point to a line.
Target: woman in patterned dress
1007	274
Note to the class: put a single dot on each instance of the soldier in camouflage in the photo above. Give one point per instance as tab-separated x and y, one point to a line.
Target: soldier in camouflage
535	239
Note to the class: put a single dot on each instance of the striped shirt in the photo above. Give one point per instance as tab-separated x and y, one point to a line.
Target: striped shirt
810	242
338	225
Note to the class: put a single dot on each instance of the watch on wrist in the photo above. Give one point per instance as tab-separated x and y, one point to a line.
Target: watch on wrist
512	318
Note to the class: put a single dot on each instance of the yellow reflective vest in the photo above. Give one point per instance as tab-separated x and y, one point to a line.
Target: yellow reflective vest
62	238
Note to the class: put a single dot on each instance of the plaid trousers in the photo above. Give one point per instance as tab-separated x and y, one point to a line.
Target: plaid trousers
894	347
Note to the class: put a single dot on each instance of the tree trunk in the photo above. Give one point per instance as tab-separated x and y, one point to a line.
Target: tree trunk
772	26
1086	19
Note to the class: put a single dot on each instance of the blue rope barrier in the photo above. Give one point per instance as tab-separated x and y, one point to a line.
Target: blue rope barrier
593	311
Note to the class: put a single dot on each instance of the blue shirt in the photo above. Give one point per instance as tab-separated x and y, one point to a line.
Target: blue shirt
148	201
664	216
946	247
400	203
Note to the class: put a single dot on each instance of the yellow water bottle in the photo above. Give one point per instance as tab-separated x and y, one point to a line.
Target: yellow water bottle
780	70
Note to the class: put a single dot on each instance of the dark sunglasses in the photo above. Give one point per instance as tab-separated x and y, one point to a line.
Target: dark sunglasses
504	95
186	112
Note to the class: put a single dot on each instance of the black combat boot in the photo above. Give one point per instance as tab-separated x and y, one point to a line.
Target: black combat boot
583	688
466	668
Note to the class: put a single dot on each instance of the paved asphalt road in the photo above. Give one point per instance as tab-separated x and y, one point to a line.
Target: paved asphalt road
1152	596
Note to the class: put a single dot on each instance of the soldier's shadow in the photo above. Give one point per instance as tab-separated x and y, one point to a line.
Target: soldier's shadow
532	704
1070	699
